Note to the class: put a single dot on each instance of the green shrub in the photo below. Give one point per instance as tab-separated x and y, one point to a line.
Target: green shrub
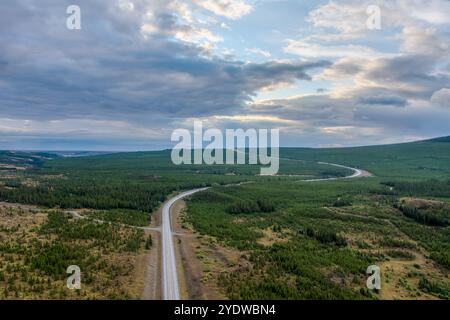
440	289
326	237
400	254
53	259
249	206
395	243
149	242
427	218
342	202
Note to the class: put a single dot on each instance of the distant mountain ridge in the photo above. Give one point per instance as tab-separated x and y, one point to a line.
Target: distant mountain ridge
442	139
69	154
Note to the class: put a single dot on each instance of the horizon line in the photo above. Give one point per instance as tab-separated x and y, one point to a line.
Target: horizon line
168	149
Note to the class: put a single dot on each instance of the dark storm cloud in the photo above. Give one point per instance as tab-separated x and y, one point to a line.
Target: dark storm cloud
403	77
109	70
383	100
413	71
134	72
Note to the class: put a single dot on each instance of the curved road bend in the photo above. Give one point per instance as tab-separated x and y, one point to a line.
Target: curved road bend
171	290
357	173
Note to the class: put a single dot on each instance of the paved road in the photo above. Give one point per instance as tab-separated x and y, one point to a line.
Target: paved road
171	290
357	173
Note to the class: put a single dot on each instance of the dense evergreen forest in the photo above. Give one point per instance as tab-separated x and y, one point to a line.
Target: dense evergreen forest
328	232
137	181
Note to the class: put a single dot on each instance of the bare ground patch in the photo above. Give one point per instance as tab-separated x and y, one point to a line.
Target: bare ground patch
152	267
400	278
271	237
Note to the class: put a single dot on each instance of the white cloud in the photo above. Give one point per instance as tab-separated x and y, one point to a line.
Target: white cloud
349	17
79	127
435	12
307	49
261	52
231	9
425	40
441	98
199	36
223	25
177	18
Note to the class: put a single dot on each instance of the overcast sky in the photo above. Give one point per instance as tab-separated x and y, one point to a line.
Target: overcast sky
138	69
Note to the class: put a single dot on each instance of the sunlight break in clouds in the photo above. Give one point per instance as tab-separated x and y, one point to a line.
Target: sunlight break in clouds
139	68
231	9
